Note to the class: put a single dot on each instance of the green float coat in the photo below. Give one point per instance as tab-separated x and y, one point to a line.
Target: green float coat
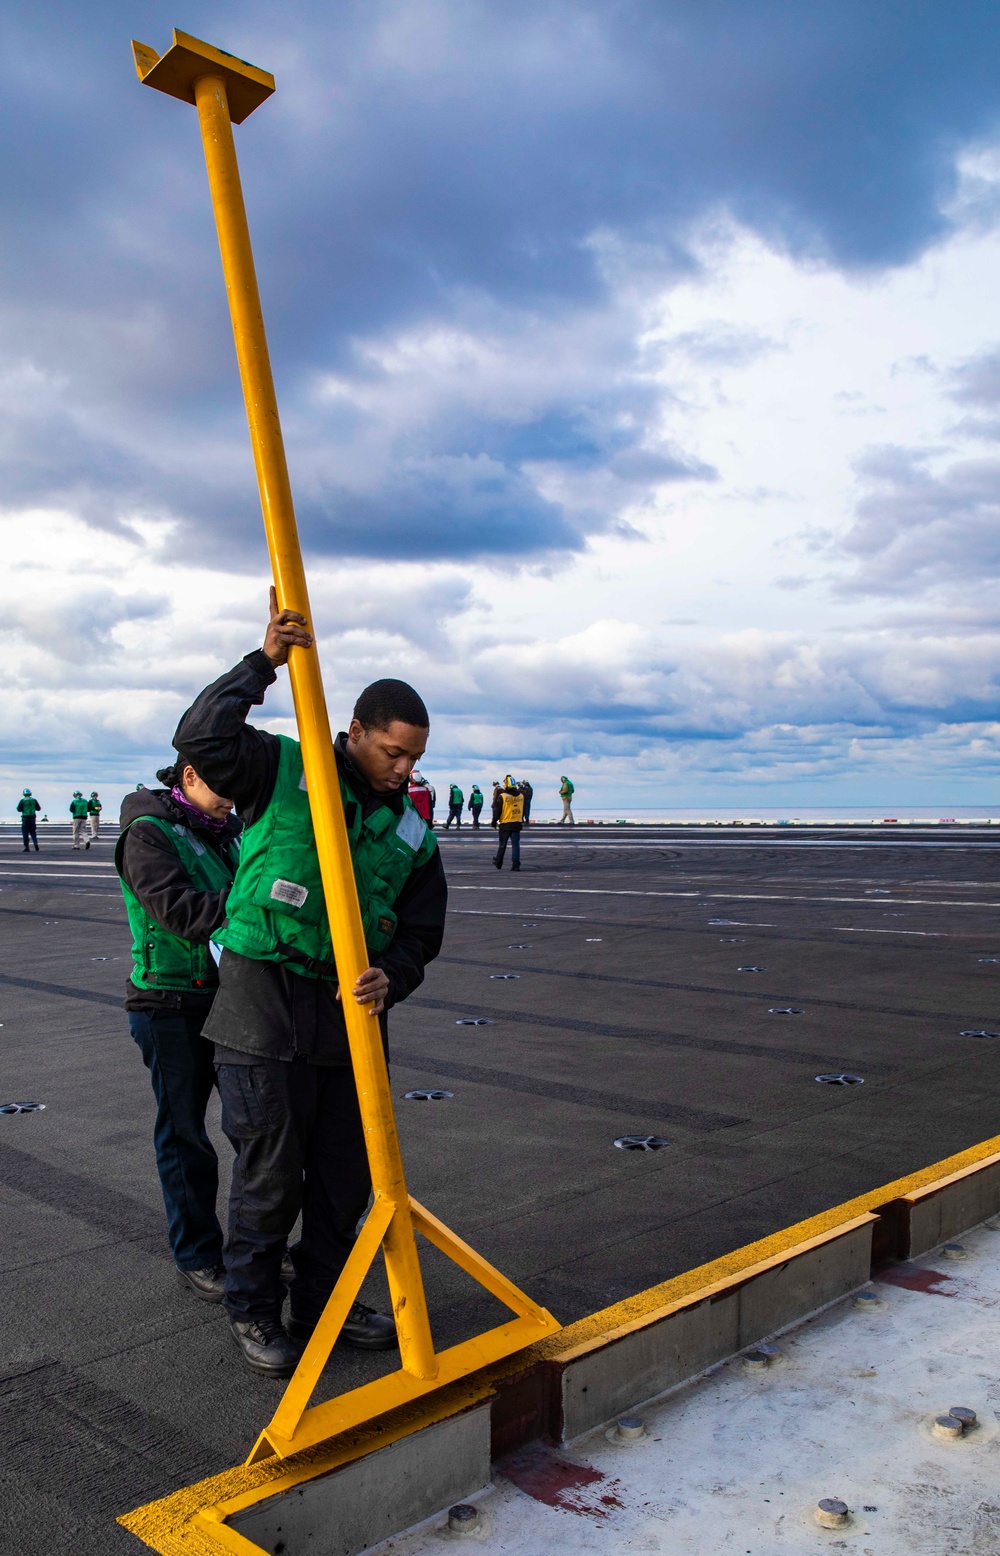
276	909
78	808
162	960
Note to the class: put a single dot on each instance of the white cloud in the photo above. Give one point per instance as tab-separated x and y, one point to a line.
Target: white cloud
821	613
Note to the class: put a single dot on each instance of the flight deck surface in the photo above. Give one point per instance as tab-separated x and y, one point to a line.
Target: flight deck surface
612	975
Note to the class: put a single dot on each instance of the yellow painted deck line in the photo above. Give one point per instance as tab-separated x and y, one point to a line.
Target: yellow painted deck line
713	1288
915	1195
168	1526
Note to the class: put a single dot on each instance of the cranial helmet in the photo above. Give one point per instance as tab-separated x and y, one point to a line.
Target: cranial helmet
27	792
77	795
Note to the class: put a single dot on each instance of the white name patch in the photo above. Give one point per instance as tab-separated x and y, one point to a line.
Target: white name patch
411	829
290	892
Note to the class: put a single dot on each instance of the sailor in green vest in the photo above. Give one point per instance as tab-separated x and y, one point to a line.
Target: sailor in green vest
456	799
28	808
476	805
566	795
94	808
177	854
289	1103
78	811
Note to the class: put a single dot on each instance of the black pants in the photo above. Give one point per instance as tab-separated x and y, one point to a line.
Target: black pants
454	814
179	1061
512	830
476	813
299	1145
28	831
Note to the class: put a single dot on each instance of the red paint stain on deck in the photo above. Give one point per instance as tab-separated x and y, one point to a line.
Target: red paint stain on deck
914	1278
573	1488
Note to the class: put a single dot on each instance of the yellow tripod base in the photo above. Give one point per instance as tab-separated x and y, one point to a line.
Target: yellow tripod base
297	1425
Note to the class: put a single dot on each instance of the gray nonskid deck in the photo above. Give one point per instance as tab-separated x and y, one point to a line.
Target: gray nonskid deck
628	1015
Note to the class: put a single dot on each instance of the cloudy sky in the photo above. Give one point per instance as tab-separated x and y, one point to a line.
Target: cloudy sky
639	364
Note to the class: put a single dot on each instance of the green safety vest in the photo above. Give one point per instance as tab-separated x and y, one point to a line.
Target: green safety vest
476	797
162	960
566	789
276	911
28	805
94	807
457	796
78	808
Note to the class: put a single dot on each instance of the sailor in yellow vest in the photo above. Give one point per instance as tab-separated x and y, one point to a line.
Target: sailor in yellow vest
289	1103
508	816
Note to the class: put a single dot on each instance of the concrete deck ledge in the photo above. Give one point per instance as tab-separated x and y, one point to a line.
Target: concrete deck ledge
364	1502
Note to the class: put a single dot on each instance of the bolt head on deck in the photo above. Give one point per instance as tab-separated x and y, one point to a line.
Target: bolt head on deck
955	1251
831	1513
630	1429
176	72
761	1357
962	1413
948	1427
463	1518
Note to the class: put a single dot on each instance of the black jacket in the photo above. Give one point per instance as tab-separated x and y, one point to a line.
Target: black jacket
263	1008
158	878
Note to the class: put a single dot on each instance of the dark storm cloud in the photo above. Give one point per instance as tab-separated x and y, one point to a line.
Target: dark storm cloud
420	155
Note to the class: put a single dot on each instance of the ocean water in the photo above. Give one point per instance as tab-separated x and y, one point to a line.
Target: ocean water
835	815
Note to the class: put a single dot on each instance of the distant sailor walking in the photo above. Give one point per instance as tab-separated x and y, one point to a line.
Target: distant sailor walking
526	791
78	811
94	808
28	808
177	855
566	795
456	800
476	805
508	814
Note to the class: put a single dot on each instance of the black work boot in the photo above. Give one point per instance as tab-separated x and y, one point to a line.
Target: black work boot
364	1329
498	862
266	1347
208	1284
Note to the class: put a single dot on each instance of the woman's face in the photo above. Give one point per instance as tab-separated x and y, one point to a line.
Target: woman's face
205	798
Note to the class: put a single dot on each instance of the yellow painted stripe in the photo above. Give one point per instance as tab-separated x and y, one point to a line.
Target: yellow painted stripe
170	1527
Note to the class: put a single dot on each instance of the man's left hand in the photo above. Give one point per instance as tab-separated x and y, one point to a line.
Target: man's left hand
371	989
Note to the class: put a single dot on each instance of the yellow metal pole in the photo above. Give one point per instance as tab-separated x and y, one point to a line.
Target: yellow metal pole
402	1264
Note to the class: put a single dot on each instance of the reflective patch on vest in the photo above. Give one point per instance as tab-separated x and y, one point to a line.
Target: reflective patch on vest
386	926
290	892
411	829
189	838
302	782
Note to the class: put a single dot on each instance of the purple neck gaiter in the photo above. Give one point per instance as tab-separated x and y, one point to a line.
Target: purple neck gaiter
211	822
